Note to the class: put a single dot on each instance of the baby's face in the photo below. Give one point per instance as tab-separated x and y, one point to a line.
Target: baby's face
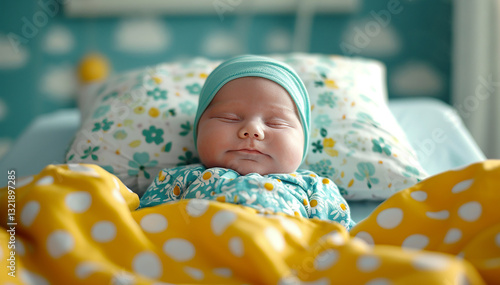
251	126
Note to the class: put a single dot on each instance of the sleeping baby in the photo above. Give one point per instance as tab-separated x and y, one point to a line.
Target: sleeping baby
251	131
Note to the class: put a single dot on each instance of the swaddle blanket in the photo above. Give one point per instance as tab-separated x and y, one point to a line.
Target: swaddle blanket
77	224
302	193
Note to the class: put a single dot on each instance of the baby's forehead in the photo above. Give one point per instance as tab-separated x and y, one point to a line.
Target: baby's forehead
236	99
244	83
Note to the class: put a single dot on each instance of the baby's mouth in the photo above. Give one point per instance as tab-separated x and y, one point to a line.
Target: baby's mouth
248	150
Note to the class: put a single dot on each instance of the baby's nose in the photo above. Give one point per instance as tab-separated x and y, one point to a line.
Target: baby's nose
251	130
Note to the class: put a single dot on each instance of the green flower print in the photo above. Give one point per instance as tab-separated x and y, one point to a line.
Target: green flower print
157	94
113	94
101	111
188	108
411	171
323	168
105	125
188	158
380	146
140	163
108	168
367	98
186	129
101	89
317	147
364	119
120	135
194	89
90	152
327	99
366	170
153	135
322	121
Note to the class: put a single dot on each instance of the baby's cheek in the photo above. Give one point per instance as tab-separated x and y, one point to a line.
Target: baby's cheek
292	154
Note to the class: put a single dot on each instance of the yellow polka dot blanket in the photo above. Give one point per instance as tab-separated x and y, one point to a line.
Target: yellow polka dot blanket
77	224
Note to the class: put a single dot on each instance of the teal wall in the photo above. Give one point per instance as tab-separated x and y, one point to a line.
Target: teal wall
38	75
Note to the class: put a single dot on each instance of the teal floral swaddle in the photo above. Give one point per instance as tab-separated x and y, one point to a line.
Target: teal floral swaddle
302	193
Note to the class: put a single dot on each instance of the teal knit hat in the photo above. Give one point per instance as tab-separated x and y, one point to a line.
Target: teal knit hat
257	66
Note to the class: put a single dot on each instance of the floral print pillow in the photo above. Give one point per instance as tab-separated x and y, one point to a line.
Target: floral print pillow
137	123
355	139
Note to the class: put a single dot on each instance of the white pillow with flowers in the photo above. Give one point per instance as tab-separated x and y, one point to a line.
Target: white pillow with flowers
355	139
137	123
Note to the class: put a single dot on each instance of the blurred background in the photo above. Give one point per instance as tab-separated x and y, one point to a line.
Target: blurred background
428	46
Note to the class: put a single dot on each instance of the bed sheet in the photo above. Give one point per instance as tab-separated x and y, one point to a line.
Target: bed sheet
433	128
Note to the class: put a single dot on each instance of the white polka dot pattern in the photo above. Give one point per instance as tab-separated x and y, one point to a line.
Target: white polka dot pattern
179	249
275	238
419	195
452	236
24	181
59	243
85	269
47	180
291	227
154	223
32	278
78	202
462	186
221	221
326	259
194	273
440	215
365	236
236	246
197	207
368	263
94	234
103	231
147	264
416	241
431	261
30	212
390	218
470	211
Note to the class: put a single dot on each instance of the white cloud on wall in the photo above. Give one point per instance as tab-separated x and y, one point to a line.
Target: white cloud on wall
416	78
58	40
142	36
221	44
12	56
60	82
369	37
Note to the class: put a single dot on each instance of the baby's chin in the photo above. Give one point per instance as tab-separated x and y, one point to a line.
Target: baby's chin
249	167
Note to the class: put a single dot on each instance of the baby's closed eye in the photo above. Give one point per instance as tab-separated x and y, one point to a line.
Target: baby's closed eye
229	118
278	123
